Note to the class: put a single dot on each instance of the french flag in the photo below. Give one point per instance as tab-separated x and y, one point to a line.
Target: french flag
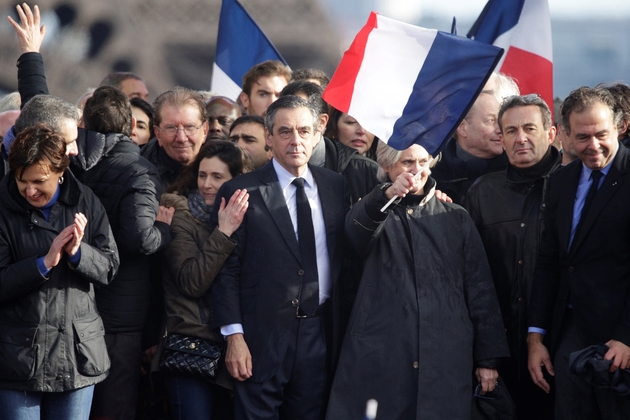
523	29
407	84
241	44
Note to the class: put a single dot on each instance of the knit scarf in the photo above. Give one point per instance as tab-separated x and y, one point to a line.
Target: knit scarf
198	207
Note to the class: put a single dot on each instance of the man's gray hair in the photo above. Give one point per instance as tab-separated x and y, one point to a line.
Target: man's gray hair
527	100
289	102
504	87
48	110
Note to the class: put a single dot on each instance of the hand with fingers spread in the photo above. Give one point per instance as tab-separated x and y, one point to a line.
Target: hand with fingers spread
72	246
538	356
231	215
29	32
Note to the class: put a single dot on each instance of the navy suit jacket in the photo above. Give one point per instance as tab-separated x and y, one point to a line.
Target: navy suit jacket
594	275
260	281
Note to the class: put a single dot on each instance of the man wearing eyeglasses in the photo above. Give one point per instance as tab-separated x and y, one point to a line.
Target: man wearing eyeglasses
506	208
181	127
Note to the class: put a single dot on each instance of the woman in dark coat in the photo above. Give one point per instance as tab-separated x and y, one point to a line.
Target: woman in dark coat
55	244
193	259
426	319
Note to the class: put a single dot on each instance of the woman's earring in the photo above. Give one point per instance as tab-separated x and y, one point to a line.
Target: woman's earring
60	180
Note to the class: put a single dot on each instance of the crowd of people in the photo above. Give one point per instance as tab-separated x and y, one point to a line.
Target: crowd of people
269	258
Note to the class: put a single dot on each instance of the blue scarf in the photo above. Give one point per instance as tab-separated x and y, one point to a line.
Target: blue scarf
198	207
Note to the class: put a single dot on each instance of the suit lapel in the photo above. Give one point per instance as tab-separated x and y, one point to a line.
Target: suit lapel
274	200
613	180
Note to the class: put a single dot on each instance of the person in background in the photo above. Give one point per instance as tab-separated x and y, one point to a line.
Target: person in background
193	260
248	132
55	245
316	76
222	112
262	85
143	113
131	84
347	130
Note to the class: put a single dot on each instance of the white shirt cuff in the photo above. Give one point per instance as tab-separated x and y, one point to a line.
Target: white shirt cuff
529	330
231	329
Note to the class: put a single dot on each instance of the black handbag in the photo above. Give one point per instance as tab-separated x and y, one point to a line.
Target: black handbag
190	355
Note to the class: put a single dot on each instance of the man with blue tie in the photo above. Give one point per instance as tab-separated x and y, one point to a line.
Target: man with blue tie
273	298
581	290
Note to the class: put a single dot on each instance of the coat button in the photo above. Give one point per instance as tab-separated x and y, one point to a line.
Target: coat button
61	330
416	365
522	224
59	377
571	269
300	272
295	302
520	262
409	211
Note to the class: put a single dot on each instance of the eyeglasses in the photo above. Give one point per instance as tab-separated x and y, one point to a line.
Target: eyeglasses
171	130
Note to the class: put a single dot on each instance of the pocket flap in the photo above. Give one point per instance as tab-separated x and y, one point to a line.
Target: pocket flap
20	335
89	327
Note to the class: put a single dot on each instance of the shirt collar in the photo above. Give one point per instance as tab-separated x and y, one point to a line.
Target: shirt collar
285	177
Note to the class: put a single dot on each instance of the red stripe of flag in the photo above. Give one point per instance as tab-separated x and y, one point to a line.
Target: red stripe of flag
533	73
341	87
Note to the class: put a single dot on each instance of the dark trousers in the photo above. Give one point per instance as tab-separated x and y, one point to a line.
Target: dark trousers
575	398
116	397
300	388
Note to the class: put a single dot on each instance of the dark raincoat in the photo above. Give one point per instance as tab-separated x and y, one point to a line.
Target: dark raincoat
425	316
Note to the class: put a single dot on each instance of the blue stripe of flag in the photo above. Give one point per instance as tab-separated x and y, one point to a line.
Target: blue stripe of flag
452	76
498	17
241	44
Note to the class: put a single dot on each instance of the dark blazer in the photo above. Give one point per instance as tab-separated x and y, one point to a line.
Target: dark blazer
594	275
260	282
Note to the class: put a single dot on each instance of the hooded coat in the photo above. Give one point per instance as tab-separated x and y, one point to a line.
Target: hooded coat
129	187
425	316
51	334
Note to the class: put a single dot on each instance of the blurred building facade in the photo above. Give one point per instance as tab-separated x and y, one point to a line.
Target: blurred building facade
166	42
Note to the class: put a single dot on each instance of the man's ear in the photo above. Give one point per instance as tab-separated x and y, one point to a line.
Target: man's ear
268	138
461	129
134	123
323	122
244	100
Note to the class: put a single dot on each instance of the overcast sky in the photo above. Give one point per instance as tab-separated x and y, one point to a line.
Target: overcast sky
406	9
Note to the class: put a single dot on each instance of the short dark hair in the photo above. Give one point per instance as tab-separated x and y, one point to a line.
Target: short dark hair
584	97
621	93
48	110
288	102
266	68
248	119
38	144
229	153
311	90
145	107
108	111
527	100
116	79
312	74
178	97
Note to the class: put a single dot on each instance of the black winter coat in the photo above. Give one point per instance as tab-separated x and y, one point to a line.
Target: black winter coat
455	175
507	210
51	335
426	313
168	168
359	171
129	188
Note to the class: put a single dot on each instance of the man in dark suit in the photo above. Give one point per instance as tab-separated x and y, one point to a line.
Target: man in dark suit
273	296
581	290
